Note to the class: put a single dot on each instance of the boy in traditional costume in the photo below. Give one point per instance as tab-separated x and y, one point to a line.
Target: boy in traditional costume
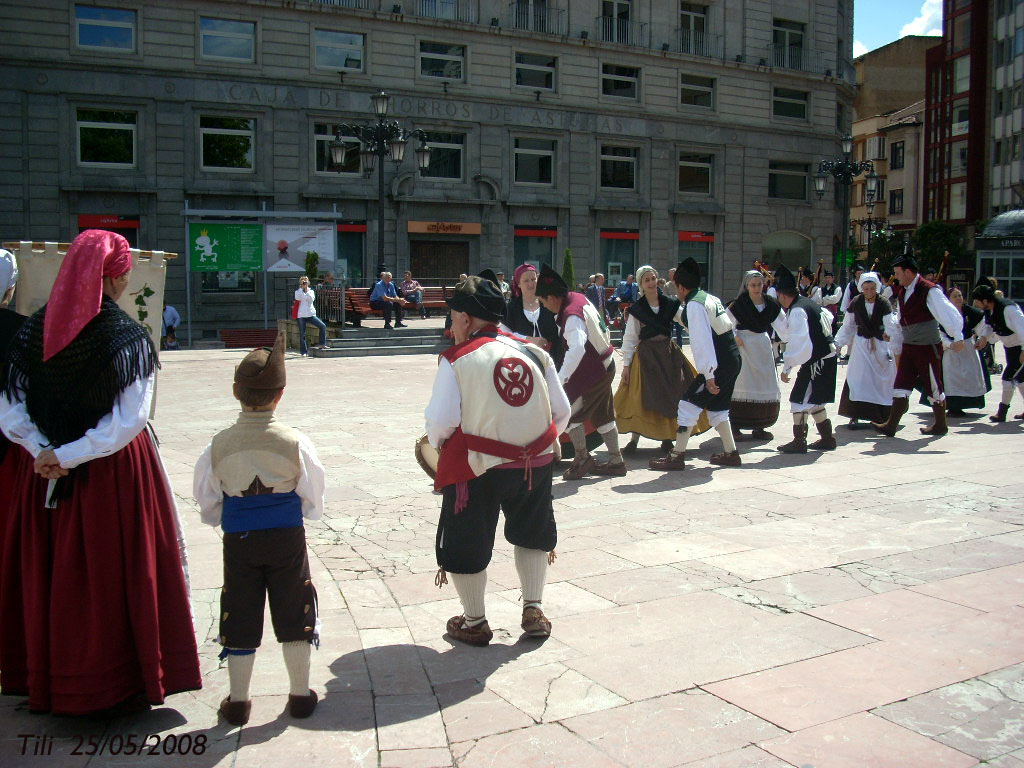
258	479
1007	323
587	371
495	412
808	345
717	359
922	308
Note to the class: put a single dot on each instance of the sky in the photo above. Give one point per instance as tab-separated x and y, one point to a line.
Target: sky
879	22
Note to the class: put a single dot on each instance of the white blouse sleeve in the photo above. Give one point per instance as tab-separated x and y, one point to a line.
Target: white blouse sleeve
798	342
781	324
576	341
630	340
561	408
19	427
313	480
115	430
444	411
949	317
846	331
701	339
207	490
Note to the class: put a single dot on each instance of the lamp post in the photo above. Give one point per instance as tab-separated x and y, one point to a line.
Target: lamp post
383	139
844	171
870	225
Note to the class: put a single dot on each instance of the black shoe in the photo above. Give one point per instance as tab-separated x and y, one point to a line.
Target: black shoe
400	325
387	326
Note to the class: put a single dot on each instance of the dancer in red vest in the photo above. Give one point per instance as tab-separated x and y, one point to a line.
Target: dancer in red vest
922	308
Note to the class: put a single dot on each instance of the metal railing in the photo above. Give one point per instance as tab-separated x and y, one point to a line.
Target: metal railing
795	57
612	29
453	10
537	17
699	44
365	5
846	73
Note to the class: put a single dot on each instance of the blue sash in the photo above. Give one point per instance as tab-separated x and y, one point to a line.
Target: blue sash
256	513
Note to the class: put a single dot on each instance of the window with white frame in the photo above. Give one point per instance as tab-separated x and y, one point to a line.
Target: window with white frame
692	23
227	40
787	181
695	173
534	161
787	44
695	91
445	155
961	117
962	74
323	137
108	29
536	71
442	60
340	51
789	103
620	81
618	167
226	143
106	138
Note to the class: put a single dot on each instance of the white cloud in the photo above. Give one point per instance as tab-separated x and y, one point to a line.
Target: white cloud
928	21
859	49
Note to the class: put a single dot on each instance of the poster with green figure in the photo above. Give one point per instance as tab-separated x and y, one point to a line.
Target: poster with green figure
225	247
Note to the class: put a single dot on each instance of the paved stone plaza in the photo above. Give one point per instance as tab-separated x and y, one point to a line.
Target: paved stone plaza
860	608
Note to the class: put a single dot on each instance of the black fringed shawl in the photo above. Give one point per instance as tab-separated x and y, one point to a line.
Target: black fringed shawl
69	393
749	318
655	324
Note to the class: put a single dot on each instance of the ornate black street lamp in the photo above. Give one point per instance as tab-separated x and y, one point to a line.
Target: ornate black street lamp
385	139
844	171
870	225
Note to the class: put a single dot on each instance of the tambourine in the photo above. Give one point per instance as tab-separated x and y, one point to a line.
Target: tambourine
427	456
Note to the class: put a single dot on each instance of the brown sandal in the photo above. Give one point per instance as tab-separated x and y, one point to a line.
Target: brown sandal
581	466
479	635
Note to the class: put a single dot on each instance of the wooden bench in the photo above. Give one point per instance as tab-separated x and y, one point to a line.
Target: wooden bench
357	303
433	298
247	338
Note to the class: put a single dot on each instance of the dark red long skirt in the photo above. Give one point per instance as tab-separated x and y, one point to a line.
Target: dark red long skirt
93	601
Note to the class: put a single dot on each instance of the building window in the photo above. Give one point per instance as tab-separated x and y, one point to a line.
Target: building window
225	40
895	201
997	153
787	44
787	181
108	29
961	32
896	160
106	138
961	117
957	159
699	251
324	134
788	103
442	60
536	71
445	155
226	143
615	26
533	250
961	74
339	51
618	254
692	27
618	167
958	200
534	161
623	82
696	91
695	172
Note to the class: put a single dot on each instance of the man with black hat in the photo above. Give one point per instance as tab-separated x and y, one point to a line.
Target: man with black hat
258	479
922	308
496	410
850	292
717	359
807	287
1007	323
587	371
829	296
809	345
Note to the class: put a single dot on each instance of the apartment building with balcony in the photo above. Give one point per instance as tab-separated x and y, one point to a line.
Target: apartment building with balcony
1006	188
631	131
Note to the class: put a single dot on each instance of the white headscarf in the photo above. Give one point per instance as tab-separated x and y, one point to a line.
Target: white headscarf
643	271
869	277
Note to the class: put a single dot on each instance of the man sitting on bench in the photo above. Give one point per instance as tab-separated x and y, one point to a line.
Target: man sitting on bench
385	298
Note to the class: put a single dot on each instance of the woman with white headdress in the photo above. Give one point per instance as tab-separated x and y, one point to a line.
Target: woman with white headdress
755	399
647	399
964	375
871	330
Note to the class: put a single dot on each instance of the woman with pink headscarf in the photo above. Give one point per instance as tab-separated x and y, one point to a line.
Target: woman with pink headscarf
94	599
527	318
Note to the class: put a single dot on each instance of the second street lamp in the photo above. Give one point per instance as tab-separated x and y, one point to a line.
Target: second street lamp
384	139
844	170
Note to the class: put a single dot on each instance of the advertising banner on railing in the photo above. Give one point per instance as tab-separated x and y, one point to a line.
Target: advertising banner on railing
225	246
286	246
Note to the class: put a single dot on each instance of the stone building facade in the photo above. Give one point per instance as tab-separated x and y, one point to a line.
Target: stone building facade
629	131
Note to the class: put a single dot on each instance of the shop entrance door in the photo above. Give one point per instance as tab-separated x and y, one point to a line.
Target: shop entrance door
438	263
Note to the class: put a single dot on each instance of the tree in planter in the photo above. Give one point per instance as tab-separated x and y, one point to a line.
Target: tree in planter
312	265
568	273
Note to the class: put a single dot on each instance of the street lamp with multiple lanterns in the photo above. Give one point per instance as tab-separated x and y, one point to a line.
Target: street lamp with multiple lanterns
384	139
844	171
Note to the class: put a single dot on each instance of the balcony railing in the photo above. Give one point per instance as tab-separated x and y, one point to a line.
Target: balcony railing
794	57
698	44
366	5
846	73
612	29
453	10
537	17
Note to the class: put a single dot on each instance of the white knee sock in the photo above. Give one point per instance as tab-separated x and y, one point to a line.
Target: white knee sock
725	430
578	437
471	588
820	416
239	675
682	437
611	442
296	661
532	567
1007	392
